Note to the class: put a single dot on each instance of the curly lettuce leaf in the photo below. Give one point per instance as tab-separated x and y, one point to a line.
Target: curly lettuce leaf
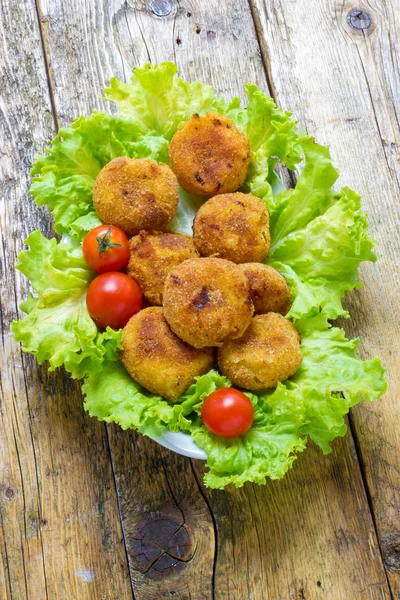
273	138
64	177
319	237
312	195
310	296
268	449
58	327
332	378
158	101
113	396
271	129
152	108
313	403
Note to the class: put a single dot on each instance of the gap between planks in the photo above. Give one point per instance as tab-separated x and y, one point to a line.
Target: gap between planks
214	522
45	52
119	508
369	499
50	85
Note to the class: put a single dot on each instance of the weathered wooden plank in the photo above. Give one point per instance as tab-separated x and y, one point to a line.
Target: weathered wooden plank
308	536
59	528
167	525
168	530
216	43
343	84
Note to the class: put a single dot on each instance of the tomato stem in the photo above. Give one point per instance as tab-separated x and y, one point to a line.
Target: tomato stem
104	243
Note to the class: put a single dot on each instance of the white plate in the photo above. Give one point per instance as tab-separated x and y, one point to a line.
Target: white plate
181	443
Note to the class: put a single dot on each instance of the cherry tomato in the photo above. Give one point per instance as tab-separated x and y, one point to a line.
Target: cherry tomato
112	299
106	248
227	412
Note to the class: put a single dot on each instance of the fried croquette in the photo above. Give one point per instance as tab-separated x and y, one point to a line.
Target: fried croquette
136	194
209	155
268	352
153	255
206	301
234	227
159	360
268	289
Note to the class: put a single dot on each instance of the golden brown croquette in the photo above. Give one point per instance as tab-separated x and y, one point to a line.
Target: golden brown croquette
136	194
268	352
233	226
268	289
159	360
152	257
209	155
206	301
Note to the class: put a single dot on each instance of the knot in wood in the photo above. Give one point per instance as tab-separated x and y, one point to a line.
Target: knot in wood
161	8
392	559
359	19
391	551
161	545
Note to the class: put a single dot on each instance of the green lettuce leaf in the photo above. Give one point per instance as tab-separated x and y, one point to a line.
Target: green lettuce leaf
312	195
158	101
64	177
268	449
319	236
271	128
310	296
113	396
58	327
332	378
273	138
313	403
318	239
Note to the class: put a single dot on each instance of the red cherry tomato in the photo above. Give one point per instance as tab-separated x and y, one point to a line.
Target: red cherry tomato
112	299
227	412
106	248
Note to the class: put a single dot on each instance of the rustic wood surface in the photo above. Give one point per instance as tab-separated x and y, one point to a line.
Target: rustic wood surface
60	531
347	94
64	532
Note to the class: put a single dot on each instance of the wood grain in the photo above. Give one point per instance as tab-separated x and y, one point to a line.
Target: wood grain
60	534
168	527
343	85
306	536
280	540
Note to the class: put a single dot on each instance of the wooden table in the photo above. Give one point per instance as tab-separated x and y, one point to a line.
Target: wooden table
89	511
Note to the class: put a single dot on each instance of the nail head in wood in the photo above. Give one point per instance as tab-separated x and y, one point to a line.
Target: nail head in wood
161	8
359	19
